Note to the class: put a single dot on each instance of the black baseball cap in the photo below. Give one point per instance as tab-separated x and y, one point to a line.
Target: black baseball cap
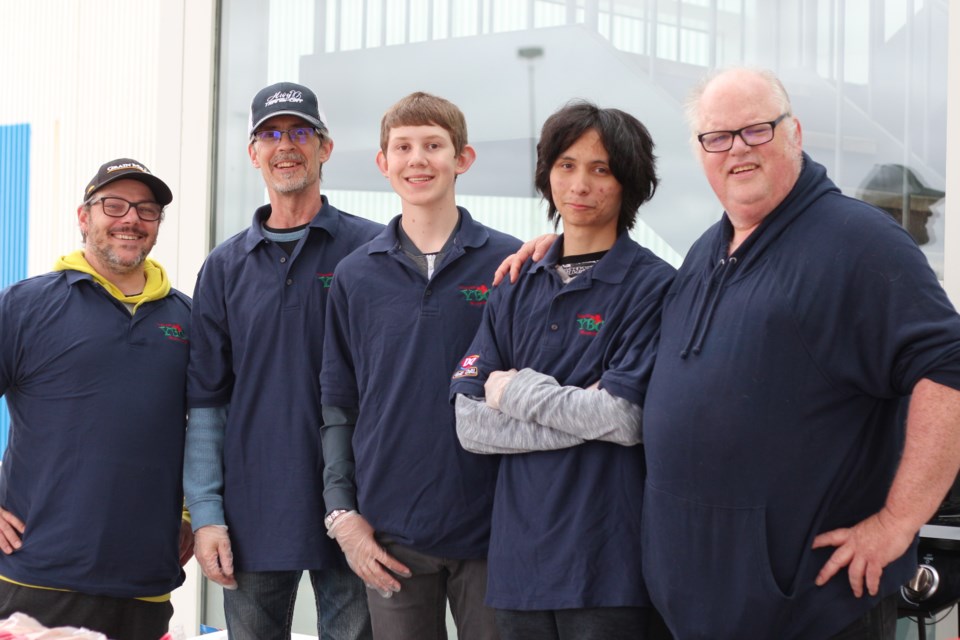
128	169
285	98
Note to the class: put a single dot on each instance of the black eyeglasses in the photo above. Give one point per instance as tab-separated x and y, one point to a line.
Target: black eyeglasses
300	135
752	135
117	208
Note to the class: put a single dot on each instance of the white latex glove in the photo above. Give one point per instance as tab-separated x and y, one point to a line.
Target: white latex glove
365	556
211	546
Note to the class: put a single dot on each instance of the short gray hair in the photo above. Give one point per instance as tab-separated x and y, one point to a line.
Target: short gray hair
691	107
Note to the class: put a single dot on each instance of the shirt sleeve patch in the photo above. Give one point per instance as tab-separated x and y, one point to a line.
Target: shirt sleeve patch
467	367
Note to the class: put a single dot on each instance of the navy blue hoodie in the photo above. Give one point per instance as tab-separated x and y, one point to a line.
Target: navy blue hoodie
771	415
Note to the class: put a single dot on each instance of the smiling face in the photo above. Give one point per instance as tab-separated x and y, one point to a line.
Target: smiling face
584	190
287	166
749	181
422	164
118	246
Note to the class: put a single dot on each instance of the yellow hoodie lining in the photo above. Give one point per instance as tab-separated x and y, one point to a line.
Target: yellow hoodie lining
156	287
164	598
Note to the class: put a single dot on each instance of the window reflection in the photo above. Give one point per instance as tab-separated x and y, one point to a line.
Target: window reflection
898	191
867	79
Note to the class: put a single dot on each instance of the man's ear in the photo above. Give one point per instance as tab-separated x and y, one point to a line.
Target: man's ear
465	159
326	149
83	220
382	163
253	155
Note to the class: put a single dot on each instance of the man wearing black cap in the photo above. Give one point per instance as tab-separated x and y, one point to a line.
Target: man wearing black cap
253	466
93	361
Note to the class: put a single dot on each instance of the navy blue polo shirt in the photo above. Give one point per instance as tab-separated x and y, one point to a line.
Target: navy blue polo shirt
97	407
566	523
393	339
258	337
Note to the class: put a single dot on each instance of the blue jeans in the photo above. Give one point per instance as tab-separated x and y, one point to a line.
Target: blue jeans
261	608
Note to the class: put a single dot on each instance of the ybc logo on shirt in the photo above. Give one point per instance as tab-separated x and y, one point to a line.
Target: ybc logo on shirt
589	324
467	368
475	295
325	279
172	332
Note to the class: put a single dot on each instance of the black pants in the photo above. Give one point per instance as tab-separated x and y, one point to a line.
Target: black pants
603	623
880	623
116	618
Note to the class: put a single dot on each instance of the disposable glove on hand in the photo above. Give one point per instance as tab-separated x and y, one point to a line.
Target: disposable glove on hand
365	556
211	546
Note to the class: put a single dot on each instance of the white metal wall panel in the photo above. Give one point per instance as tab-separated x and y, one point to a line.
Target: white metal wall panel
83	74
100	79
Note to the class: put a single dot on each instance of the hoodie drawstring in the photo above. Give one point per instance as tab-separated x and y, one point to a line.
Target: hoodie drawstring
708	304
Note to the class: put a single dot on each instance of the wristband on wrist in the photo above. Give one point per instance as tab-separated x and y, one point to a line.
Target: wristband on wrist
332	517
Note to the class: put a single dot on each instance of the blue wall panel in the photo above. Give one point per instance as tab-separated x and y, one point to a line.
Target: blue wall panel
14	207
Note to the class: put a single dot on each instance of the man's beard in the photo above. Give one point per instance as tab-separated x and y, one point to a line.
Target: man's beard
108	257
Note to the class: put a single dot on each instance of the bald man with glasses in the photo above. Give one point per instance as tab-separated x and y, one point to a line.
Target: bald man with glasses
784	488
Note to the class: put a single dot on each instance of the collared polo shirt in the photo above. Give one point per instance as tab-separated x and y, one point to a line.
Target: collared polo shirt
566	523
97	405
393	339
259	327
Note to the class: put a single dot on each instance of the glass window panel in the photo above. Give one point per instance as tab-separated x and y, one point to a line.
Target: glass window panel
549	14
420	23
856	39
886	108
396	22
875	117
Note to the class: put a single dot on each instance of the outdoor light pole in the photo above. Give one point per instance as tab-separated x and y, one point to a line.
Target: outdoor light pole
530	54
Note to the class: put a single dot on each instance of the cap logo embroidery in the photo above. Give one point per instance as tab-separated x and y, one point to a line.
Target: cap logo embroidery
125	166
284	96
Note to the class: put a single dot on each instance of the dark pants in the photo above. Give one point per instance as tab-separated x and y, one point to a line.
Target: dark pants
880	623
116	618
418	611
261	608
604	623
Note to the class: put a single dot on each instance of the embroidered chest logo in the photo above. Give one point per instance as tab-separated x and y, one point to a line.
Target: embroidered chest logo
475	295
467	368
589	324
173	332
325	279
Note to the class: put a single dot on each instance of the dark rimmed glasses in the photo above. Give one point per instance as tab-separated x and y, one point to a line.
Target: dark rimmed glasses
117	208
299	135
752	135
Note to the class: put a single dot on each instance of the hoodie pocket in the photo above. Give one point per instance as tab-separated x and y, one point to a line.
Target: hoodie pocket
707	568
